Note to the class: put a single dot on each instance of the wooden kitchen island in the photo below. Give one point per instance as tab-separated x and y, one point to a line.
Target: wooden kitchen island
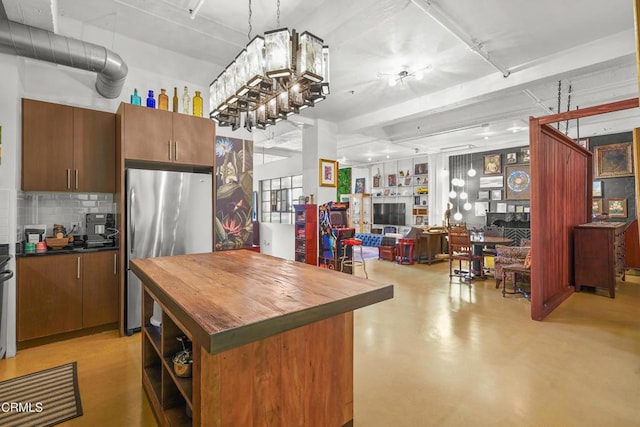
272	339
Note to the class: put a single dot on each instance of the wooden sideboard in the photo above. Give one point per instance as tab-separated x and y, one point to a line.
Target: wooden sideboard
599	255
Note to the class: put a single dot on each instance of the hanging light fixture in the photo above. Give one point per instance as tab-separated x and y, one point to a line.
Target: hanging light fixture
452	192
471	172
275	76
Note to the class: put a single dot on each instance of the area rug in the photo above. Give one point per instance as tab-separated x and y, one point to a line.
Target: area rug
43	398
368	252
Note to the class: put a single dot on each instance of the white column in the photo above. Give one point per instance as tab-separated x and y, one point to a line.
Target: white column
318	142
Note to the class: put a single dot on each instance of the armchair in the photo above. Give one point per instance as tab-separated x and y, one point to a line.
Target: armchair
506	255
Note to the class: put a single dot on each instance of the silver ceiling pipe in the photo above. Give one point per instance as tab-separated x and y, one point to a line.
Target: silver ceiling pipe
36	43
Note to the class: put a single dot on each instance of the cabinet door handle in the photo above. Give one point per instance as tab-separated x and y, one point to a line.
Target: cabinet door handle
169	149
76	179
69	179
115	264
176	155
78	275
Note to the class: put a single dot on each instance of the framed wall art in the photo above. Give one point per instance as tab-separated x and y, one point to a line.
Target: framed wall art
517	182
421	169
481	208
359	185
614	160
496	194
328	171
512	158
596	206
491	182
597	189
524	155
483	194
617	208
391	180
492	164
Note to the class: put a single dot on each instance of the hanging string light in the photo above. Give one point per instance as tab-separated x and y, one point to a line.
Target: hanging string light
463	194
452	192
471	172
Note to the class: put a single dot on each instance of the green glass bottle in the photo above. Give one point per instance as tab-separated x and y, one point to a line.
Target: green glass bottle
175	99
197	104
163	100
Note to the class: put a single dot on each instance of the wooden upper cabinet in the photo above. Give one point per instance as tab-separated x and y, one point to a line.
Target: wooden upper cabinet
47	146
67	148
194	139
162	136
94	150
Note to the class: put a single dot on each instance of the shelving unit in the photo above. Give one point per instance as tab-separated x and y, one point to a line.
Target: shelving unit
169	394
306	233
410	181
360	212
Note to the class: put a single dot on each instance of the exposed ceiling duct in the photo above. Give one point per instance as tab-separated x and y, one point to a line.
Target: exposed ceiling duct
32	42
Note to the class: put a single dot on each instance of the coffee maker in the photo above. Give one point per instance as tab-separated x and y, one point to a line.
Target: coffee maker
101	230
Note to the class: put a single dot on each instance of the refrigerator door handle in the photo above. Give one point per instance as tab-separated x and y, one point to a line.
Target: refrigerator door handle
132	225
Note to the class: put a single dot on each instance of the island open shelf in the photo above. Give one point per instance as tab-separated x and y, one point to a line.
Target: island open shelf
272	339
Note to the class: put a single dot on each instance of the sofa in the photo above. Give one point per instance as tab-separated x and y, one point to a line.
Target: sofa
506	255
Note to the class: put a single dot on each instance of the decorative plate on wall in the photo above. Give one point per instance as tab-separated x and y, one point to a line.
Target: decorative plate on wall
518	182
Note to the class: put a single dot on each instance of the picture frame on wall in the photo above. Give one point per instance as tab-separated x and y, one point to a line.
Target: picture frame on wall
359	185
525	155
492	165
517	182
501	207
483	194
496	194
391	180
512	158
511	208
481	208
328	171
519	208
614	160
597	189
596	206
491	182
617	208
421	169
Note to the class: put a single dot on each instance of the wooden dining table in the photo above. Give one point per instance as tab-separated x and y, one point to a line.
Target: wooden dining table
479	244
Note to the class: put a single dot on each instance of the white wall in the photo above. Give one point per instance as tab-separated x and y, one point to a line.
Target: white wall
277	239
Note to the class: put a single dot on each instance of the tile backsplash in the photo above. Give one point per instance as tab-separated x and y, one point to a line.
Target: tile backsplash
60	208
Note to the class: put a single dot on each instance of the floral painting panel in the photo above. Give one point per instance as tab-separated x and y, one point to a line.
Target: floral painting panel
234	193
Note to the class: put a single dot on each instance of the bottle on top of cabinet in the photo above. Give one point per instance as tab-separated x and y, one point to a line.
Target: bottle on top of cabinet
186	101
175	99
163	100
151	102
197	104
135	98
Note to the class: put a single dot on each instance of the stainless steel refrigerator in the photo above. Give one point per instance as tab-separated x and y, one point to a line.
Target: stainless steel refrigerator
167	213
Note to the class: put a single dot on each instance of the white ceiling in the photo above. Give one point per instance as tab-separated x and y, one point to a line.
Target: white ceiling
463	101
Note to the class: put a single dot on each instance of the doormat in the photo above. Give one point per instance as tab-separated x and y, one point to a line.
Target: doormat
43	398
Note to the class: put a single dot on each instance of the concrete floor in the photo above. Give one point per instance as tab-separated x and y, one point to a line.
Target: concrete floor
438	354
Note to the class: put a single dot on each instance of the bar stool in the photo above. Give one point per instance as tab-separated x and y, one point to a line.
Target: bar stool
404	252
344	260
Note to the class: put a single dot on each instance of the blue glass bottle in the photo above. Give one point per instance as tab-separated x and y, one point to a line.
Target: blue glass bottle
151	103
135	98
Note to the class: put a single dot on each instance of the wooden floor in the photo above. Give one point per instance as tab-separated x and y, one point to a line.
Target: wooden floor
439	353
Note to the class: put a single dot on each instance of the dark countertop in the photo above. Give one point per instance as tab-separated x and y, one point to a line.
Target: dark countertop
67	250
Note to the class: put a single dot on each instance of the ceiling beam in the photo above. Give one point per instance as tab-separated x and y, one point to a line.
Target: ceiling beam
616	47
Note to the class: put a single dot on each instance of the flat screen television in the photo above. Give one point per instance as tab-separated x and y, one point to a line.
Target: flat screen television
389	213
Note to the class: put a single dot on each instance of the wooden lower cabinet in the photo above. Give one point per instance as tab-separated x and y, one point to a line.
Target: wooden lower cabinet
99	288
49	295
57	294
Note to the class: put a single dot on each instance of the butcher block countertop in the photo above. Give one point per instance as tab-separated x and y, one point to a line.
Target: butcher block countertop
231	298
